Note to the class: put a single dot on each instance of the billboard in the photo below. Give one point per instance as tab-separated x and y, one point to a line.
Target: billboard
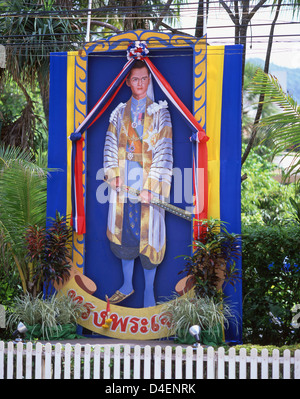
135	169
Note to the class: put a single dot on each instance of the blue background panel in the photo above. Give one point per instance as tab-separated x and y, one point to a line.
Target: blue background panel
101	265
230	167
57	143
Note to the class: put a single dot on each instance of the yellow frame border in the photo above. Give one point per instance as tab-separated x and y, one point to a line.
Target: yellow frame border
145	320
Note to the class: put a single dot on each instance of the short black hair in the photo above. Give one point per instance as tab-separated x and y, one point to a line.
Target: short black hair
139	64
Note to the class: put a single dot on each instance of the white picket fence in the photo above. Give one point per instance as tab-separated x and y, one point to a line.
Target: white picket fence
39	361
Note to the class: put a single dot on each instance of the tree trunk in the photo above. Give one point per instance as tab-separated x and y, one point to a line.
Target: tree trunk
237	25
20	133
44	88
199	32
134	19
163	14
243	33
262	97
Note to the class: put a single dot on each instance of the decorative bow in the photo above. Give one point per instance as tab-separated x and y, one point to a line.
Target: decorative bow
199	137
137	50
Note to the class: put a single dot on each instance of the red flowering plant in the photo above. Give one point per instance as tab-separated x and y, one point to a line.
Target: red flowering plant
35	238
48	252
213	262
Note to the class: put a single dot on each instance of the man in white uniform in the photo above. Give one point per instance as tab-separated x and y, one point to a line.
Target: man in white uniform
138	154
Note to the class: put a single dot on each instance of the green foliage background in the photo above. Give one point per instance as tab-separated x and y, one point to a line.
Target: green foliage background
264	201
271	254
271	284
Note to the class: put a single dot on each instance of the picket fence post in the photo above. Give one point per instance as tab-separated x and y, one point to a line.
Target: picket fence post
297	364
253	364
264	364
168	362
87	362
275	364
243	364
189	363
126	361
210	363
106	364
57	361
67	361
231	364
178	363
97	363
147	362
137	362
199	362
2	348
28	361
77	361
10	360
38	361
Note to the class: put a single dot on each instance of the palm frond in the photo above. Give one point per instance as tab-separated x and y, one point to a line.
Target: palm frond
34	38
8	154
22	195
283	127
22	202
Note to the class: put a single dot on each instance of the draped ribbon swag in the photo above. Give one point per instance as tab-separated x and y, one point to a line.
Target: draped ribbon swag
138	51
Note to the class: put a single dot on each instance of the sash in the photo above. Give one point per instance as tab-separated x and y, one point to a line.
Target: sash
198	138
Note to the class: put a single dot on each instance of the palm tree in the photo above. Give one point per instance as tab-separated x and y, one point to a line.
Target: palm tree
283	127
250	101
140	14
31	31
266	70
241	14
22	203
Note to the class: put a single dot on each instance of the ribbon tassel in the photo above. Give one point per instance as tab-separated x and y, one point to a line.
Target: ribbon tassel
136	51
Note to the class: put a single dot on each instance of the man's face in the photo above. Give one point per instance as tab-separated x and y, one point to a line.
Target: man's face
138	82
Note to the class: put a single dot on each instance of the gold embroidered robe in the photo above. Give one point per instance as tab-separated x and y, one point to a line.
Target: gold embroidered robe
157	162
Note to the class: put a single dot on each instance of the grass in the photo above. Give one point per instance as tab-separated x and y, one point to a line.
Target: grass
49	313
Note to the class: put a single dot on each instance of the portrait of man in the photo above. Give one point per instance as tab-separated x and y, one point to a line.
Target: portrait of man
138	163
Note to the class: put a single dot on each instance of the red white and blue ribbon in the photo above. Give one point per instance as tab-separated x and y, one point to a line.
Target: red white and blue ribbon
136	51
77	195
199	139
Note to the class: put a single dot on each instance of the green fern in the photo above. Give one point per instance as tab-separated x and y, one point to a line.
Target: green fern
23	196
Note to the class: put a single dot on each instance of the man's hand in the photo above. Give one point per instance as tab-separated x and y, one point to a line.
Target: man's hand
146	197
116	183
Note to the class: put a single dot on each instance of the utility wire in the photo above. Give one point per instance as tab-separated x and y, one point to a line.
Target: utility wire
121	9
63	34
99	55
37	35
43	43
160	5
56	44
151	6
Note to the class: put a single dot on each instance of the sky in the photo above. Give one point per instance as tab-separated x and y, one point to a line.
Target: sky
220	30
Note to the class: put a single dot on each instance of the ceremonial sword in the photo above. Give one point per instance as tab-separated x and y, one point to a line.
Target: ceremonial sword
164	205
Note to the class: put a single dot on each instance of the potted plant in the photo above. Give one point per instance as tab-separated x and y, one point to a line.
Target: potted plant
200	299
212	264
23	200
47	315
48	252
185	311
49	318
